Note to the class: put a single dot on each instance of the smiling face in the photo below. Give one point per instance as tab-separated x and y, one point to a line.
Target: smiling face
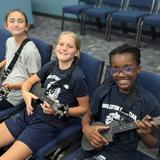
124	71
16	23
66	49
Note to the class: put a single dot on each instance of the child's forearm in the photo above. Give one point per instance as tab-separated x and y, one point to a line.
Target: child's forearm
2	64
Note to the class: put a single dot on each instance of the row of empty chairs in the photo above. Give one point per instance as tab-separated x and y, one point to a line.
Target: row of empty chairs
106	8
153	21
77	10
135	12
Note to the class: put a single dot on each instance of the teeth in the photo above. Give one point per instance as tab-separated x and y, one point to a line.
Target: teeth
123	81
64	53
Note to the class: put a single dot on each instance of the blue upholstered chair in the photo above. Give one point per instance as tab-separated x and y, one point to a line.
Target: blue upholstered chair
151	82
134	13
77	9
3	36
92	68
153	21
45	50
106	7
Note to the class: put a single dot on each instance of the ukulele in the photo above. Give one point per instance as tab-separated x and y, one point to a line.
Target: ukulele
59	108
111	132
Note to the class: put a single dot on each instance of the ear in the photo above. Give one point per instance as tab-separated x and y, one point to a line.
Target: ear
77	54
27	27
139	69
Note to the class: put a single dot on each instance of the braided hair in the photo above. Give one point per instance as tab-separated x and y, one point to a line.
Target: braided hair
126	49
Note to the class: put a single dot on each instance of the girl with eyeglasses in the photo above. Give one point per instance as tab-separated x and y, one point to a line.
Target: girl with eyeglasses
117	104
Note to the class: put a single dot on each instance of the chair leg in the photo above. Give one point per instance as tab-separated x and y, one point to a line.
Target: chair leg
153	32
83	24
108	28
78	18
124	27
106	32
81	28
99	23
139	32
62	24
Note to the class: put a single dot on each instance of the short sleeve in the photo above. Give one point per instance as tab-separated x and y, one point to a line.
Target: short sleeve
32	57
151	105
45	70
80	88
98	97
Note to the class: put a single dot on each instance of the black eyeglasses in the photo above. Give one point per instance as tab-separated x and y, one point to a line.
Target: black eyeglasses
125	70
